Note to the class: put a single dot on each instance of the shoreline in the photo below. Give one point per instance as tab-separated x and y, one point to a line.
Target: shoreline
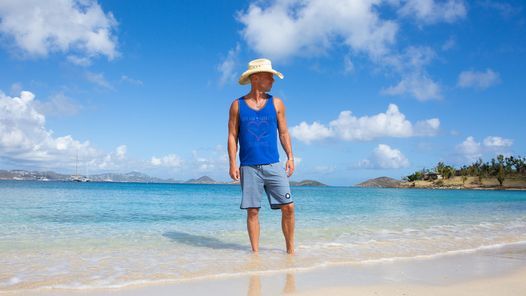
458	273
466	188
455	183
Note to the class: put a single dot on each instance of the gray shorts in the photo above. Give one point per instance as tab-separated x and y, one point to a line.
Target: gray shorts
270	178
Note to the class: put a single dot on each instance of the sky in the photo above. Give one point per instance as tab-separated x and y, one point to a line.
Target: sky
371	88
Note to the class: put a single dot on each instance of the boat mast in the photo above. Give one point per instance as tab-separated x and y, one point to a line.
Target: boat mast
77	164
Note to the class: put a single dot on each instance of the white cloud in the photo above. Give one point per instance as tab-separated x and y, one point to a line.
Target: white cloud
506	10
283	29
385	157
121	152
432	11
25	140
210	160
78	60
414	78
471	150
348	127
449	44
79	27
391	123
497	142
348	64
324	169
58	105
98	79
310	132
130	80
287	28
170	160
428	127
479	80
16	88
421	87
227	68
156	161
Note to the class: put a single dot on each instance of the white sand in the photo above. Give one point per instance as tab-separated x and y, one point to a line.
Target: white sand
509	284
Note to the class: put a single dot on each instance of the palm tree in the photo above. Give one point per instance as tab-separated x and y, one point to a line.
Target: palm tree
498	168
464	172
439	169
501	174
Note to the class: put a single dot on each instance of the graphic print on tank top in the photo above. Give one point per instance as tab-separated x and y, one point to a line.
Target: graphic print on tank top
258	127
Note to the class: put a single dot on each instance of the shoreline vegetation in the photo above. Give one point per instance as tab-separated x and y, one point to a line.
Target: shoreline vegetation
500	173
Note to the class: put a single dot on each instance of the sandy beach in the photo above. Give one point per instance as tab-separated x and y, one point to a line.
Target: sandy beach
491	271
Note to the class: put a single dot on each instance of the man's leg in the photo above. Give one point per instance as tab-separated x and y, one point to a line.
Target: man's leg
287	224
253	228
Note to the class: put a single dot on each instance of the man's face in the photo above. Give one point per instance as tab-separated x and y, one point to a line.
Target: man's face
262	80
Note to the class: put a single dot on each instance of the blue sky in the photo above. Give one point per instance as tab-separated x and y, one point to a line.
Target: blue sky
372	88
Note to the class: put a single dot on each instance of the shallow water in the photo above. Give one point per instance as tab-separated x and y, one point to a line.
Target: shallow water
85	235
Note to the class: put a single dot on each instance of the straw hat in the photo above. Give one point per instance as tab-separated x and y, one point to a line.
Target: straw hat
258	65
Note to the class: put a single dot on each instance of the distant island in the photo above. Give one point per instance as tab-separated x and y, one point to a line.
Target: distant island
381	182
498	173
307	183
131	177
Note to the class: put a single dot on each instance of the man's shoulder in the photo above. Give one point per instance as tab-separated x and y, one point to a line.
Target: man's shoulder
278	102
234	107
235	102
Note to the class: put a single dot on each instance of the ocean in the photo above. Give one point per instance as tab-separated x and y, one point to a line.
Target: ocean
110	235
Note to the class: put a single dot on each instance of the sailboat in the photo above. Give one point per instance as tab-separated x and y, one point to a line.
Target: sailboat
77	177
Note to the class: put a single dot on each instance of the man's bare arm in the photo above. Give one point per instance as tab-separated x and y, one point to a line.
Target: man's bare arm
284	136
233	128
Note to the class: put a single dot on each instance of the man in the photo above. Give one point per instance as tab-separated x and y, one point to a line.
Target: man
254	121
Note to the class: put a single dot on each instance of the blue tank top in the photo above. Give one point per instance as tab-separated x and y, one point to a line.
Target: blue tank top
258	133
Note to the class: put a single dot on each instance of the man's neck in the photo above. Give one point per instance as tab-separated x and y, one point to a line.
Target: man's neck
256	95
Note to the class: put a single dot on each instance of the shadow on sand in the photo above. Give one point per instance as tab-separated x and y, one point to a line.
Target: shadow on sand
201	241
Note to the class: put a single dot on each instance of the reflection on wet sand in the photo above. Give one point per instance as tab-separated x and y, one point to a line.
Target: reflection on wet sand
255	289
254	286
290	284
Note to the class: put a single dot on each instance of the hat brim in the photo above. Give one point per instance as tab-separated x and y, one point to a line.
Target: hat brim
244	79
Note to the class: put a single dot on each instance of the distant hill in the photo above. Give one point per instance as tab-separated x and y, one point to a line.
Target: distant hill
106	177
202	180
381	182
31	175
127	177
133	177
306	183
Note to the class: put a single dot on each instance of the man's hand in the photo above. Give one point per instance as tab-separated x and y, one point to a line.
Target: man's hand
289	167
234	173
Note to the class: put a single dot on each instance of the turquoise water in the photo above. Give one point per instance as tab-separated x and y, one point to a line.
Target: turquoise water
87	235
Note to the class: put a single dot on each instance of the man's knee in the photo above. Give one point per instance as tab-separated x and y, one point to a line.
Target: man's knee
252	214
288	210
